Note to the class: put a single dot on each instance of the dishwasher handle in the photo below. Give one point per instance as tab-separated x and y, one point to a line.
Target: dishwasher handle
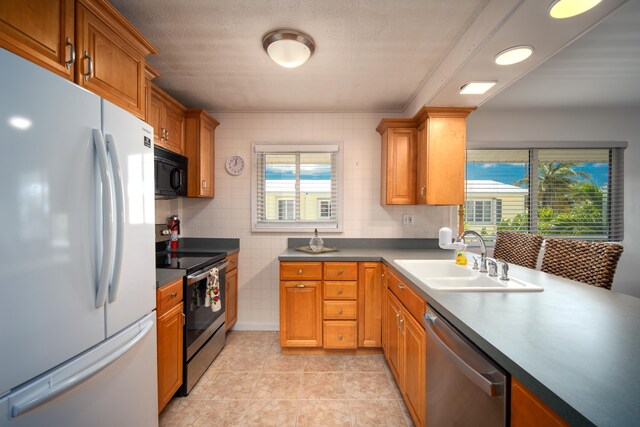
490	387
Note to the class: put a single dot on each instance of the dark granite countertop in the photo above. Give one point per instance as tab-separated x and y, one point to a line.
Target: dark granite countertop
575	346
164	276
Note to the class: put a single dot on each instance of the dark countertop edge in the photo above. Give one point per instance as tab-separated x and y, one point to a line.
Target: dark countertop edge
212	251
562	408
164	276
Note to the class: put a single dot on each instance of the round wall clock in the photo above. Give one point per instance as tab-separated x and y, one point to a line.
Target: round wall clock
235	165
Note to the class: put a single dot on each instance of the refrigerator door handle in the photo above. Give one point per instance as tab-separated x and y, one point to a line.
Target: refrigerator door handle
108	219
34	398
120	216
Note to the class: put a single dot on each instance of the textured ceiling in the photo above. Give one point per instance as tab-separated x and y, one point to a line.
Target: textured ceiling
601	69
371	54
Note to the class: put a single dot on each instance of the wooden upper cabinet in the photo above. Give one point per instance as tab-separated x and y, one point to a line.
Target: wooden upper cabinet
301	314
370	304
398	166
111	55
199	136
423	158
441	151
527	410
41	31
167	116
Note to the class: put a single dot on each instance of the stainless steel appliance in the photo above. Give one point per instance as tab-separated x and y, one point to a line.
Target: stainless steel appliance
464	386
170	174
204	334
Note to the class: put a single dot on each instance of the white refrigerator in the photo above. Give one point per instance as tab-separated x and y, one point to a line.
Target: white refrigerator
77	272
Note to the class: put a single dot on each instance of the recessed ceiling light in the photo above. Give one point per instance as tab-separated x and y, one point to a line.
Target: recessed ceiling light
476	88
288	48
561	9
513	55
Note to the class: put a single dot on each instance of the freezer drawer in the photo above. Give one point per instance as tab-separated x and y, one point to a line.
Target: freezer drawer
113	384
464	387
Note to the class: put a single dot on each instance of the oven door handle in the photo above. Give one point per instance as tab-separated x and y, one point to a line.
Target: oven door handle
192	278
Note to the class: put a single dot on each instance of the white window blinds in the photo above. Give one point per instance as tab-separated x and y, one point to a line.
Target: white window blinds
296	186
571	193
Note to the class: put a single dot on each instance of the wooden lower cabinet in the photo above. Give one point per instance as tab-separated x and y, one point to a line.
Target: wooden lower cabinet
301	314
527	410
340	334
231	298
170	330
405	350
370	304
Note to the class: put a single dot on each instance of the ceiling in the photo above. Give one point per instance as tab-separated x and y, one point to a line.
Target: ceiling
600	69
372	55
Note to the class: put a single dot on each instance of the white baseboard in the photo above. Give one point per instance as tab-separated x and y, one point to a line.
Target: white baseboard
255	327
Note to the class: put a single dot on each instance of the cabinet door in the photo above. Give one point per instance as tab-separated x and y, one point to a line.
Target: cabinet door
231	299
154	118
414	367
527	410
38	30
170	347
445	160
394	339
422	165
370	304
301	314
116	72
399	163
206	160
384	309
173	122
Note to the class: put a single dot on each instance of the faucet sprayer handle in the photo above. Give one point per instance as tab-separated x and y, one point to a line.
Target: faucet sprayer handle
504	270
475	263
493	268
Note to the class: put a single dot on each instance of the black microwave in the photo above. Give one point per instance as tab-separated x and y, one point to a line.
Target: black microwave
170	173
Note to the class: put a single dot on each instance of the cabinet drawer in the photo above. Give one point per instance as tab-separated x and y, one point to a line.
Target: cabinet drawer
233	261
168	297
409	298
300	270
340	310
340	290
338	334
341	271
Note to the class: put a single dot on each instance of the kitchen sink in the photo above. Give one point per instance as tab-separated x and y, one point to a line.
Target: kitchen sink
446	275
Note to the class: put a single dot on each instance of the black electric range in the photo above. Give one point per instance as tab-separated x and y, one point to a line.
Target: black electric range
190	262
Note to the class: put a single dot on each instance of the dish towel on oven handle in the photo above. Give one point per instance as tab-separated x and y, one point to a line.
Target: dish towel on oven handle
213	291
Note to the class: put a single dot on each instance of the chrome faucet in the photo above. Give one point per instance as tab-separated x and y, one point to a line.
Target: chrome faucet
483	248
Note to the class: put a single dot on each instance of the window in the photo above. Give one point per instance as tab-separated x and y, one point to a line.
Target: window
286	210
573	193
296	187
324	208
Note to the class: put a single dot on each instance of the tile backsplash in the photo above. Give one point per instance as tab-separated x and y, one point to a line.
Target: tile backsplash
229	214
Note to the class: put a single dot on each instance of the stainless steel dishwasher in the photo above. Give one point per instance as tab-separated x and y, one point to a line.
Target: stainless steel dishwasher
464	387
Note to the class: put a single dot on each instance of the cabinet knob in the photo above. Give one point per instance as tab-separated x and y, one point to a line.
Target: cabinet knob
174	294
339	291
340	311
300	271
340	271
340	337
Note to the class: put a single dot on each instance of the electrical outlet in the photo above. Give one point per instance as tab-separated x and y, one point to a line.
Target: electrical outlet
407	219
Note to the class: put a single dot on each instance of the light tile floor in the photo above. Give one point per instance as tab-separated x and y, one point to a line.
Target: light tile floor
251	383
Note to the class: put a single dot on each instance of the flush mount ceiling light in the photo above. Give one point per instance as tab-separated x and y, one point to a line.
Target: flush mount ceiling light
476	88
513	55
561	9
288	48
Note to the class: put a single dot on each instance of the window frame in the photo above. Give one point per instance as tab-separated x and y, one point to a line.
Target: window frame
320	202
616	171
326	226
293	205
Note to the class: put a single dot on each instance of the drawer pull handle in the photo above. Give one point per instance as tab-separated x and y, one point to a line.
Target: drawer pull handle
340	311
400	285
299	286
300	271
339	291
340	337
174	294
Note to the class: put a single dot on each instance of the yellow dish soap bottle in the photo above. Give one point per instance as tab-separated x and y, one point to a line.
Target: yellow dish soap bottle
461	258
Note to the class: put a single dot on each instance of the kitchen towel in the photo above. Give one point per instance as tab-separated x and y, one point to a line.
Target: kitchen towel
213	291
